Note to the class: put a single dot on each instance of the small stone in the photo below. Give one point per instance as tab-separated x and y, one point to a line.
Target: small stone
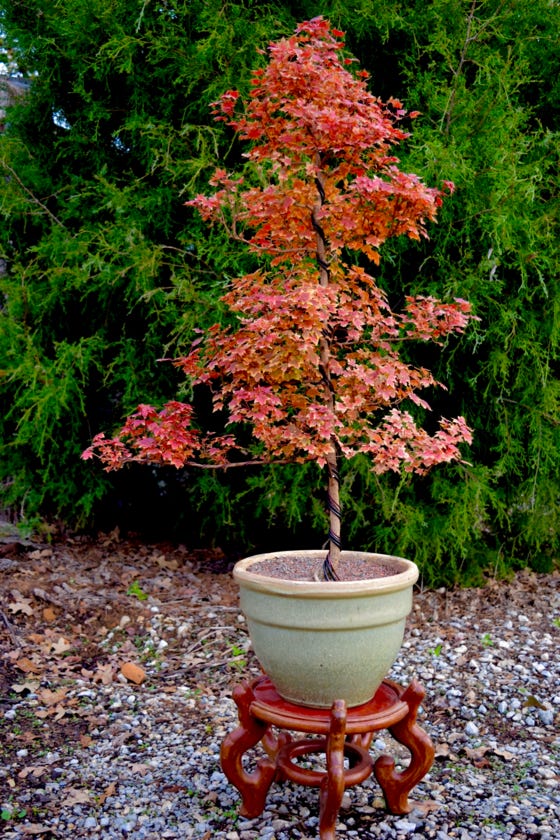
529	782
90	823
546	716
406	826
472	729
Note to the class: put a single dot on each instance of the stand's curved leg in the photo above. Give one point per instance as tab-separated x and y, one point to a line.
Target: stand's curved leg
362	739
397	786
332	786
273	743
253	786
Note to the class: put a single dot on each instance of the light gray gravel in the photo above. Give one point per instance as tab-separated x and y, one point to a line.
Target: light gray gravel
489	662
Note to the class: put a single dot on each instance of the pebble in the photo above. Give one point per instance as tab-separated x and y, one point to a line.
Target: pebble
404	825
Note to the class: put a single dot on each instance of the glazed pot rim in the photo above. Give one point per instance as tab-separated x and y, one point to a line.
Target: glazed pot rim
405	577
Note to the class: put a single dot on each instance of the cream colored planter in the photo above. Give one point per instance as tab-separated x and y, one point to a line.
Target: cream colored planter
321	641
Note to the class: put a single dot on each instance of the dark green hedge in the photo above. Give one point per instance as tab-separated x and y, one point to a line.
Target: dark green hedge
108	272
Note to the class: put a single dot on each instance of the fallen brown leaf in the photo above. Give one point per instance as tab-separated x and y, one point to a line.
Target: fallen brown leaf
51	698
28	685
477	752
40	553
133	673
59	712
22	605
76	797
109	791
36	638
140	768
425	806
533	702
27	666
104	674
34	770
61	646
478	755
164	563
506	754
37	828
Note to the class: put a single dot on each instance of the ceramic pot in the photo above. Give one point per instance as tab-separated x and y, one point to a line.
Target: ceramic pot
322	641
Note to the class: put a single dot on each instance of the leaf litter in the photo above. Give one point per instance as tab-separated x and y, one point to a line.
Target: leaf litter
80	614
74	628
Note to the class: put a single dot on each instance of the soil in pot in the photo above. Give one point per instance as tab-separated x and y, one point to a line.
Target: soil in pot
304	568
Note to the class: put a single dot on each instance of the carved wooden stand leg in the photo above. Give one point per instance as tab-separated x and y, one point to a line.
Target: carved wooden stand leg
397	786
254	786
332	785
345	732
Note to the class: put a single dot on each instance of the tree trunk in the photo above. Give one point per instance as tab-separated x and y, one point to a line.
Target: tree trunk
332	560
330	565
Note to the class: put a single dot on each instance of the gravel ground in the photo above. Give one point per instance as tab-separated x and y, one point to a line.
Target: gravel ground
142	760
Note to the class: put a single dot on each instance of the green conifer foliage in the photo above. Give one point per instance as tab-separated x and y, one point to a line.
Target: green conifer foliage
485	76
107	271
104	271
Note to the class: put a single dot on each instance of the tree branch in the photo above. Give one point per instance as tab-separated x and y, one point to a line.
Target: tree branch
33	197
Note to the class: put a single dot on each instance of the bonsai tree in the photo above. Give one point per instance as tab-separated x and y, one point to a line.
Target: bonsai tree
313	364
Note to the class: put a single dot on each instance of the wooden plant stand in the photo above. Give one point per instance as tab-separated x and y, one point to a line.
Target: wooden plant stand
344	733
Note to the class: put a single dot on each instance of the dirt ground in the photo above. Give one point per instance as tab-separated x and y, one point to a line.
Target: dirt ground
58	604
61	602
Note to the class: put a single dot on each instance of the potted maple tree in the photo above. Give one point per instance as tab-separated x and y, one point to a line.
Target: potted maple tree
313	364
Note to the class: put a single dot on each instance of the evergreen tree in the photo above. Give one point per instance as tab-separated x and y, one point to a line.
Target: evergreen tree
484	74
108	271
104	270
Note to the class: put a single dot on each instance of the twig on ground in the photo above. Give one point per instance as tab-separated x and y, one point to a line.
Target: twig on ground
9	627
